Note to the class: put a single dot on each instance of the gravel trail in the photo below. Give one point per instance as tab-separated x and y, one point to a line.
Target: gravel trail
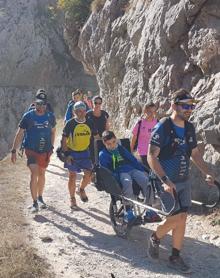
83	244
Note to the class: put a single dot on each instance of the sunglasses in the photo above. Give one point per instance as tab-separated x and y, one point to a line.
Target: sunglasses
41	104
97	103
79	110
186	106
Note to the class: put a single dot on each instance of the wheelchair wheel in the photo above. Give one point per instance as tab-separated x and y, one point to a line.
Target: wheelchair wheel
116	212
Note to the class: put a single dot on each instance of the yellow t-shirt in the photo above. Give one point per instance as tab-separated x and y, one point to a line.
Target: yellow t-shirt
78	134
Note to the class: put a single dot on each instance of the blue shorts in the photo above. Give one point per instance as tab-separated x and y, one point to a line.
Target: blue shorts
81	161
183	190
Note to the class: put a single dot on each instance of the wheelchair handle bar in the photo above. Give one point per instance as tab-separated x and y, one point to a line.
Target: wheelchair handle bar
207	205
147	206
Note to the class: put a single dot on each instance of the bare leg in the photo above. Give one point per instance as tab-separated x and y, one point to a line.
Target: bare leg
179	232
33	182
41	180
84	182
86	179
170	223
72	184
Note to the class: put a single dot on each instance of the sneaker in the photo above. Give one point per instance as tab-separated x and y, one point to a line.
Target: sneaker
129	217
41	203
177	263
82	195
35	207
153	248
151	217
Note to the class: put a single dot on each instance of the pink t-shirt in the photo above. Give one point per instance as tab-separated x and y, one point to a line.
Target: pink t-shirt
144	135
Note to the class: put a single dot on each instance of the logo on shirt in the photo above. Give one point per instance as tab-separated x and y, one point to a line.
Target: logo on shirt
83	133
180	141
156	136
41	125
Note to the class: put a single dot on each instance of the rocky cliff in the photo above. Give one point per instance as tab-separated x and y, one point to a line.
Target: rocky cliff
33	54
141	50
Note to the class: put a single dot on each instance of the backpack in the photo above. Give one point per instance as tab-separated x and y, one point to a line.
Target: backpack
138	133
60	154
167	151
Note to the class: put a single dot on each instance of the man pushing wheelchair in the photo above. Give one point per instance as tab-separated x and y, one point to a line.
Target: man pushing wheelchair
173	142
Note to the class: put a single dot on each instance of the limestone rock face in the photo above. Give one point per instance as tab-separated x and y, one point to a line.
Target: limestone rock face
144	50
33	54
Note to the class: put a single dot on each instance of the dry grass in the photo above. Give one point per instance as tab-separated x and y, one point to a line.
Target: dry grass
17	258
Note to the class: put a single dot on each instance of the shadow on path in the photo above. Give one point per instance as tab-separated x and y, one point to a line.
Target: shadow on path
64	174
203	257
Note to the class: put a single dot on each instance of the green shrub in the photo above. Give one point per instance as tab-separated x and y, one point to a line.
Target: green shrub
97	5
77	10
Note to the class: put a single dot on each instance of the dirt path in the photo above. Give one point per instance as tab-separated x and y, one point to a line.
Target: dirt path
83	244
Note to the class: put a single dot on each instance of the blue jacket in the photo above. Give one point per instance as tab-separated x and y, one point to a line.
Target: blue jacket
106	159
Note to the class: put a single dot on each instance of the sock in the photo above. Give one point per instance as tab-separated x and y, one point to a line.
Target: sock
40	198
35	203
175	252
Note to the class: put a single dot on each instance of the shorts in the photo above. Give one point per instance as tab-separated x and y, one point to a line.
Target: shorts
41	159
81	161
183	202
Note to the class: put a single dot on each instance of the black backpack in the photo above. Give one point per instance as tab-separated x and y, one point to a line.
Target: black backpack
167	151
138	133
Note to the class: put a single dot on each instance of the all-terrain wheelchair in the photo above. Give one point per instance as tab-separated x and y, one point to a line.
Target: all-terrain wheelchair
105	181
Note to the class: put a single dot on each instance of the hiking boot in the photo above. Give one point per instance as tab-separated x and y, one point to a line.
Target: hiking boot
73	204
177	263
129	217
35	207
82	195
151	217
41	203
153	248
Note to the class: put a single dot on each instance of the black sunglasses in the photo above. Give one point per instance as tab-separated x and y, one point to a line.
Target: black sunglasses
97	103
187	106
41	104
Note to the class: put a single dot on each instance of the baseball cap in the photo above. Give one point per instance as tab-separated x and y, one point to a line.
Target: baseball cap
79	105
41	96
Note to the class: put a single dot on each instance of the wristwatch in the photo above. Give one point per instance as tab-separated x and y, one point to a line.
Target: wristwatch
164	179
13	150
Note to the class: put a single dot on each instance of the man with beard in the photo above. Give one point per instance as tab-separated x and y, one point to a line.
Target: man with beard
172	144
37	127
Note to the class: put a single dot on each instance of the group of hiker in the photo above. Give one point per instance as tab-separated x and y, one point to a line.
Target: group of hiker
165	146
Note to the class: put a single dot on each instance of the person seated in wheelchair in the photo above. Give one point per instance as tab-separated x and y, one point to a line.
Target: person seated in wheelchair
126	169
